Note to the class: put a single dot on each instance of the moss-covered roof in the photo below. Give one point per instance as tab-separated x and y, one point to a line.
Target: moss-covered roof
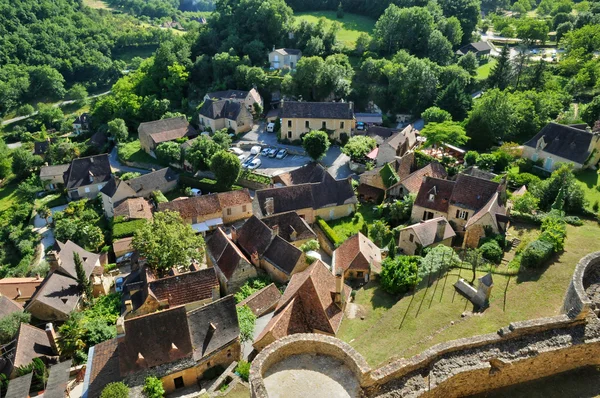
389	176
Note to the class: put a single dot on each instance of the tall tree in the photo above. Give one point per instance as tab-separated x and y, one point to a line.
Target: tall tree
404	28
117	129
444	133
502	73
455	100
466	11
83	282
226	167
316	144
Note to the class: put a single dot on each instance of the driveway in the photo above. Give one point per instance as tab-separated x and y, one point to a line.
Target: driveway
47	235
117	166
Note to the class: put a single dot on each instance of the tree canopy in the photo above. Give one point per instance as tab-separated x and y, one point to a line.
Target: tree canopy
316	143
227	167
444	133
358	147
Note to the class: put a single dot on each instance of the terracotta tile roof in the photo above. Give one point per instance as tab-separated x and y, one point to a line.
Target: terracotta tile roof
406	165
87	171
167	129
194	207
222	315
31	342
288	320
235	198
155	181
441	191
19	288
283	255
472	192
7	306
413	182
263	301
312	172
289	223
426	231
123	245
155	339
104	365
358	252
254	236
134	208
185	288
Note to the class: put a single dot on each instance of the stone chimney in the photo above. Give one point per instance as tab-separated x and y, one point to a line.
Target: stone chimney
52	338
339	288
234	234
441	229
53	259
120	328
275	230
293	234
255	259
270	206
128	306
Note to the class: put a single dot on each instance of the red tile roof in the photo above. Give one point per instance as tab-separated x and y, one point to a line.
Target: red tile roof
105	367
185	288
441	191
134	208
413	182
262	301
10	287
358	252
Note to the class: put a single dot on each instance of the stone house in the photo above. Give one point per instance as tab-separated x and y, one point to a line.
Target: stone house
329	199
313	302
116	191
284	58
291	227
412	183
81	124
152	134
29	343
430	233
134	209
311	172
225	114
374	183
263	301
246	98
395	146
122	246
19	290
460	202
233	269
558	143
269	251
85	177
8	306
175	345
151	294
357	258
207	212
299	118
59	293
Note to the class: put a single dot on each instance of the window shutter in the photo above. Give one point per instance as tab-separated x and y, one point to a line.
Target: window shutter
457	213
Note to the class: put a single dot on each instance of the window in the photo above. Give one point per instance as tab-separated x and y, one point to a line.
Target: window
307	124
431	197
341	125
411	238
535	157
228	353
427	215
87	190
324	125
289	123
244	208
178	382
228	212
360	274
462	214
289	134
208	365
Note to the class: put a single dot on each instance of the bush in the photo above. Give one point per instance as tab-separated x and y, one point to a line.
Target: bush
250	287
573	220
526	203
243	369
527	217
126	229
554	231
357	218
159	197
536	254
311	245
471	158
329	232
246	320
491	251
205	184
115	390
399	274
61	200
153	387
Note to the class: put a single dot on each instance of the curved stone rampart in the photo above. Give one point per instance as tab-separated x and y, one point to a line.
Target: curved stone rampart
577	303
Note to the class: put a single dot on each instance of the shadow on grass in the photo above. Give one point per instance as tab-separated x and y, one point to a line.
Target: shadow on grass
588	177
534	274
380	299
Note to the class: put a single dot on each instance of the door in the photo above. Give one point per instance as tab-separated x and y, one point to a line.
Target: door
178	382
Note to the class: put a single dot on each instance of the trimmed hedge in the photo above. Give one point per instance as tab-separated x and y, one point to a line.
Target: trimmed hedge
536	254
61	200
491	251
126	229
205	184
329	232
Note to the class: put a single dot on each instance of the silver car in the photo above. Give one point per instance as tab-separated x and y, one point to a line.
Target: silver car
282	153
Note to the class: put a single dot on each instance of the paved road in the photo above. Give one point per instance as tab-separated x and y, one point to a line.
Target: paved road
117	166
19	118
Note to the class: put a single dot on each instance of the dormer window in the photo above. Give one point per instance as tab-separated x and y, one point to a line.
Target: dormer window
541	144
431	197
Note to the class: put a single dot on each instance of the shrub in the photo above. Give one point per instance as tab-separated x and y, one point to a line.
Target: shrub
329	232
115	390
526	203
251	286
573	220
399	274
527	217
243	369
536	254
61	200
554	231
471	158
153	387
491	251
159	197
246	320
126	229
357	218
311	245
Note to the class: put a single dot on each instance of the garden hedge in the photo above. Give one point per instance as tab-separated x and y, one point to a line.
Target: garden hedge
126	229
536	254
329	232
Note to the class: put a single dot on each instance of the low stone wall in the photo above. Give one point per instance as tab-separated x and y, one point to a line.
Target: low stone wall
242	182
519	352
324	241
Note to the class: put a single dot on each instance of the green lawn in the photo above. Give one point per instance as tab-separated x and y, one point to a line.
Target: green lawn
345	228
352	25
8	195
484	70
132	152
392	329
128	53
588	179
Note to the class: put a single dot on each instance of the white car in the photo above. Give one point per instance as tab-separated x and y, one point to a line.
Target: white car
242	157
255	150
236	150
271	128
265	151
255	164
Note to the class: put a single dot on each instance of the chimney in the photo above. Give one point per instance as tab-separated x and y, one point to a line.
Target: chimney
120	328
128	306
275	230
351	105
255	259
293	234
441	228
53	259
19	293
270	206
91	175
52	337
339	287
234	235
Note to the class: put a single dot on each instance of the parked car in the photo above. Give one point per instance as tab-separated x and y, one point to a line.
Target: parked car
119	284
255	150
265	151
247	162
124	259
242	157
271	128
254	164
282	153
236	150
196	192
360	125
273	152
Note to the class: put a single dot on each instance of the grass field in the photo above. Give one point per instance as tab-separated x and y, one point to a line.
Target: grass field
392	329
588	179
132	152
8	195
98	4
345	228
352	25
484	70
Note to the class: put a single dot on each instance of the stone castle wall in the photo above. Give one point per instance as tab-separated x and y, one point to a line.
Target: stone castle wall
520	352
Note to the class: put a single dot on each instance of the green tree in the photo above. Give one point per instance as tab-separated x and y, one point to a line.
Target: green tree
526	203
439	48
399	274
316	143
246	319
200	152
451	28
48	114
469	63
115	390
167	241
358	147
153	387
44	212
5	160
25	110
168	152
501	73
378	231
92	237
46	82
435	114
447	132
492	119
71	335
531	30
117	129
24	162
466	11
29	188
78	93
227	167
455	100
9	325
591	112
222	138
404	28
83	282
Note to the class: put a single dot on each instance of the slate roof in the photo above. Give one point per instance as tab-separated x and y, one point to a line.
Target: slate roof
113	185
228	94
52	171
472	192
155	181
368	191
7	306
217	242
220	109
493	207
19	387
262	301
67	262
317	110
405	165
426	230
104	367
312	172
59	292
226	253
283	255
10	287
369	117
565	141
477	172
383	132
475	47
134	208
84	118
221	314
30	343
185	288
167	129
413	182
442	191
254	236
288	223
288	51
58	378
41	147
358	253
87	171
155	339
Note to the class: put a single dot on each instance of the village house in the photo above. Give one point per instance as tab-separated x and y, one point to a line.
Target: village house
225	114
374	183
134	209
394	147
85	177
175	345
41	148
330	199
146	293
412	183
357	258
379	133
263	301
311	172
291	227
480	49
559	143
81	124
53	177
29	343
414	238
59	293
232	267
20	290
116	192
470	204
122	246
299	118
207	212
152	134
281	58
8	306
369	119
246	98
313	302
